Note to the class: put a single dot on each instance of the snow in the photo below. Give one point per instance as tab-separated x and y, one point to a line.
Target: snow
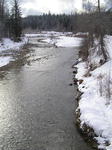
81	70
4	61
96	101
50	40
6	45
108	43
66	41
49	33
80	33
59	39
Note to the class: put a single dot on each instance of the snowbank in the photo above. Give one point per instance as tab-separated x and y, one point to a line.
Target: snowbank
48	34
59	39
66	41
4	61
8	44
96	101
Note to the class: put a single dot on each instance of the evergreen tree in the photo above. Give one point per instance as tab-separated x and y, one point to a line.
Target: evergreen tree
2	8
16	21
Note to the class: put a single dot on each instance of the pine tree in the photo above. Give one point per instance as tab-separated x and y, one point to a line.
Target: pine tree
16	21
2	2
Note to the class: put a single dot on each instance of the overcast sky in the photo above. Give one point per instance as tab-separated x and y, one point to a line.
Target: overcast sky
35	7
54	6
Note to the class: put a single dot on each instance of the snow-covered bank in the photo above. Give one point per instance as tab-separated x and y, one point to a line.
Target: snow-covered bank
6	45
95	104
58	39
48	34
4	61
66	41
61	39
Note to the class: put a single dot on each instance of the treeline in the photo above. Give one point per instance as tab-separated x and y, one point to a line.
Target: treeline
95	22
50	22
84	22
10	20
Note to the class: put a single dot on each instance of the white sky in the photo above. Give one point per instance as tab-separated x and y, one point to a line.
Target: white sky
34	7
54	6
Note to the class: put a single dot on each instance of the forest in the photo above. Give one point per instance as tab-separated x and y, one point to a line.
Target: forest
10	20
73	22
93	19
50	22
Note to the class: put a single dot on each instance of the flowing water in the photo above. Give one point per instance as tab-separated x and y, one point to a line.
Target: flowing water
37	105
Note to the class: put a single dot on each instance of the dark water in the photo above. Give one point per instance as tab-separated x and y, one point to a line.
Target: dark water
37	104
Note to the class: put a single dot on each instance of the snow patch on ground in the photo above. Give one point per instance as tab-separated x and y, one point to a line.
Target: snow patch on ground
8	44
4	61
59	39
54	34
96	102
48	34
66	41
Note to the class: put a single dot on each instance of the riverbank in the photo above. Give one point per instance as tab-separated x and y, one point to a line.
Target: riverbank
37	103
8	48
94	110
